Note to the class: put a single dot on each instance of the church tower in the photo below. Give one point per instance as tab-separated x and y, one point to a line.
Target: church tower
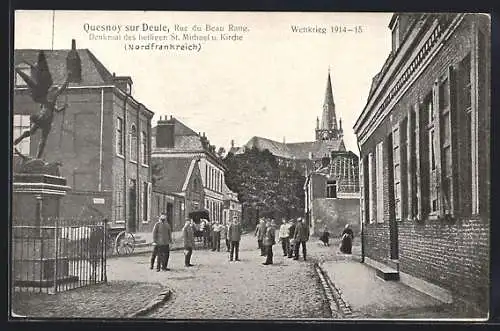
328	129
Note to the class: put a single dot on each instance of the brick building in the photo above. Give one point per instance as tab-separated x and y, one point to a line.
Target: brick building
173	139
178	189
424	136
232	206
101	139
331	194
305	155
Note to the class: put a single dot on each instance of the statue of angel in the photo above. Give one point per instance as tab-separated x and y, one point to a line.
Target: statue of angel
41	89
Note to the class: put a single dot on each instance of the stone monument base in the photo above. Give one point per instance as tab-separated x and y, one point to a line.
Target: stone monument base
39	258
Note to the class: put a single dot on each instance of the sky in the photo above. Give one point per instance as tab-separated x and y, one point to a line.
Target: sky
270	84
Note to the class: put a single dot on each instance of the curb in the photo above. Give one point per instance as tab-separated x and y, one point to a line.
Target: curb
153	305
334	294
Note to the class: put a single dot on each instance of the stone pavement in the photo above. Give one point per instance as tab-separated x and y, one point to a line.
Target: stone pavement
218	289
371	297
115	299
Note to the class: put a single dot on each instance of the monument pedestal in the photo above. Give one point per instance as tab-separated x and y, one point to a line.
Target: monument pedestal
38	254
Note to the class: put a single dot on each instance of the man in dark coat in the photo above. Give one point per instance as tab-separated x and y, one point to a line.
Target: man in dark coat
269	241
162	237
260	232
291	234
188	236
301	237
234	236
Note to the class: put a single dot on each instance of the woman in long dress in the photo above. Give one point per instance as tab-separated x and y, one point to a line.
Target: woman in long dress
347	237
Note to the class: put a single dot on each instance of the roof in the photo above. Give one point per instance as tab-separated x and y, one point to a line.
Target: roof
93	71
301	150
186	140
173	173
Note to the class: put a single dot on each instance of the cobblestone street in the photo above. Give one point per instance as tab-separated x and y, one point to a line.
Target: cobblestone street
218	289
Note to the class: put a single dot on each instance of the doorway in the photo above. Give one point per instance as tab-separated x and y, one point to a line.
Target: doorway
132	198
170	215
393	223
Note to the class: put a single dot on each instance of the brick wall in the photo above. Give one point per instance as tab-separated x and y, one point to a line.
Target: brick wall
82	205
453	256
335	213
376	242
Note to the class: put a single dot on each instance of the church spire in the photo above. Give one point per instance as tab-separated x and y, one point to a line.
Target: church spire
328	119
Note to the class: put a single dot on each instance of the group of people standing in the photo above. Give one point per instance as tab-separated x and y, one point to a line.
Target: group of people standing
162	239
292	234
230	233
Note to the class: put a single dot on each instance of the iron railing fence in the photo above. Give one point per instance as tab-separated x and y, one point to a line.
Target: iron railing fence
58	255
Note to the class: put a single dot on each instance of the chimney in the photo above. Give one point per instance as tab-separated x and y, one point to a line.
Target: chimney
284	141
232	143
74	64
124	83
165	136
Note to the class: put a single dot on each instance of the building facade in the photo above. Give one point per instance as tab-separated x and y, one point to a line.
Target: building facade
173	139
331	194
178	188
232	206
101	139
424	136
304	156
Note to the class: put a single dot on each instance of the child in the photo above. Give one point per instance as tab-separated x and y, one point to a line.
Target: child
325	237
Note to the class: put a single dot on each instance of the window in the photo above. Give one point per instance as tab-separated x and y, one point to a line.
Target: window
133	143
403	148
446	141
119	206
119	136
331	189
413	161
19	80
21	124
371	183
465	136
430	180
396	162
145	202
379	164
206	175
362	190
144	148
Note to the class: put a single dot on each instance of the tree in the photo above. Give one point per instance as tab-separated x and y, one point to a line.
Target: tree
264	188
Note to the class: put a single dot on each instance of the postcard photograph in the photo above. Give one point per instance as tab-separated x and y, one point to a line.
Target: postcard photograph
174	165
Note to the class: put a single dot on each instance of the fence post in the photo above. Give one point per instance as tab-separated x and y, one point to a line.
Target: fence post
56	249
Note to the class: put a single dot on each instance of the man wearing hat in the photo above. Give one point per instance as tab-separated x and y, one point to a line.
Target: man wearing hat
188	236
301	237
162	238
269	241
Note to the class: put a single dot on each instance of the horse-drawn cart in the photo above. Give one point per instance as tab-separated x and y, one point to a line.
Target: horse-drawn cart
201	229
119	241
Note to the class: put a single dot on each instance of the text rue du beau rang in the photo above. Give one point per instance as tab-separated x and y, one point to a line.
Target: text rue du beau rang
166	32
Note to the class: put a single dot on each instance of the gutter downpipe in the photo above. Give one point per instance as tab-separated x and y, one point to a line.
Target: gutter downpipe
125	162
361	218
100	139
